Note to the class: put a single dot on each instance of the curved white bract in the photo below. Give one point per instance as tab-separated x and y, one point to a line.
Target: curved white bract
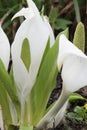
4	48
52	38
74	65
26	12
65	49
35	30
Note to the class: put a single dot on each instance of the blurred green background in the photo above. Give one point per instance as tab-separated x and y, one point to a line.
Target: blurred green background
61	14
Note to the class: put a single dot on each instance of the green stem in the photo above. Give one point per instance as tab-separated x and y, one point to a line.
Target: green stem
25	118
56	108
77	11
7	119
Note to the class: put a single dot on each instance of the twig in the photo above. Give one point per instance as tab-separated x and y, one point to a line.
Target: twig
67	7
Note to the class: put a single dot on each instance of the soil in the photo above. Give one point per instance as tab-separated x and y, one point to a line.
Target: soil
56	92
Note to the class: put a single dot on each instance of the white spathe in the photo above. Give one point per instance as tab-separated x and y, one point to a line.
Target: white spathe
74	65
26	12
52	38
32	5
5	57
66	48
4	48
74	73
35	29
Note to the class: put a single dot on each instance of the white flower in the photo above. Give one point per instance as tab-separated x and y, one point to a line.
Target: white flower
5	57
74	74
37	31
74	65
4	48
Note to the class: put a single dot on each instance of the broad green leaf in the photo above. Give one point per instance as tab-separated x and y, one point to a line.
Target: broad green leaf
5	79
45	52
80	111
44	85
62	24
75	96
79	37
26	128
4	102
25	53
17	104
8	85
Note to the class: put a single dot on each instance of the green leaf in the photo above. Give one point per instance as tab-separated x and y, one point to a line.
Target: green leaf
4	102
79	37
53	15
71	115
45	52
76	6
62	24
78	110
5	79
26	128
78	116
8	86
75	96
17	103
25	53
44	85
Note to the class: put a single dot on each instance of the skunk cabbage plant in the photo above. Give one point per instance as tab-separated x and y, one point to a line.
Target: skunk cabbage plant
74	72
33	72
26	89
4	56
